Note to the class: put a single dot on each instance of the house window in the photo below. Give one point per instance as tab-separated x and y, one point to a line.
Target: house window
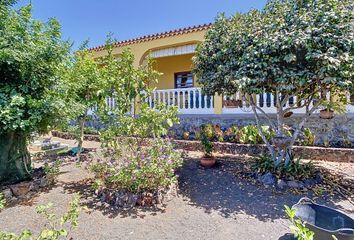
183	80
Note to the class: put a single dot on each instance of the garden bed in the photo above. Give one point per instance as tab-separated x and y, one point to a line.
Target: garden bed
307	152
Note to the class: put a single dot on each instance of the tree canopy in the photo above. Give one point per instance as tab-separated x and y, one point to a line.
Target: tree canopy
32	54
297	49
291	46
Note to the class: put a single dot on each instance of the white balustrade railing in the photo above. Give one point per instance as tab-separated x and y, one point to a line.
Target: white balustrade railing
265	101
187	100
192	101
111	105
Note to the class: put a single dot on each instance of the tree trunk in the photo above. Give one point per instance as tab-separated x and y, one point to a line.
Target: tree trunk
80	139
15	160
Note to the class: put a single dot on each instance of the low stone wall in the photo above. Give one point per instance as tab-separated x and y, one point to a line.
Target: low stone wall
314	153
70	136
335	131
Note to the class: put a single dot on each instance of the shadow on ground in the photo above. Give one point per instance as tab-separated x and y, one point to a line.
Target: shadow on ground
218	189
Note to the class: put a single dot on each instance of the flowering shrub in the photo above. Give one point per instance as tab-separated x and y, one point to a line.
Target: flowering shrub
136	157
151	168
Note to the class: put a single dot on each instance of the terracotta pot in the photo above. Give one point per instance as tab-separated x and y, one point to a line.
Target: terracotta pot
232	103
207	161
288	114
326	114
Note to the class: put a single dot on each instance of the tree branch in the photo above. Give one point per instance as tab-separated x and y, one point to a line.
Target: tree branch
269	146
308	113
253	104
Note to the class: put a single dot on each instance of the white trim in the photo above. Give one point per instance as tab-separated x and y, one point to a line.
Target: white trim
174	51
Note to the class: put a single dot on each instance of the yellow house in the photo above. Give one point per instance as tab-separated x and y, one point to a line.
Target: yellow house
173	52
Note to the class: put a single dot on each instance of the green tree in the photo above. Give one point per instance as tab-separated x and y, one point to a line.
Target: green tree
83	88
31	56
89	81
292	49
126	83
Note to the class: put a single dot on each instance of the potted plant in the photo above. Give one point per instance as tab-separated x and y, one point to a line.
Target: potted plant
208	160
329	107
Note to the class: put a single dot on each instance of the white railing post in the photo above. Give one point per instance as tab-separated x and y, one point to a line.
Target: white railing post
258	100
179	99
200	99
168	98
189	97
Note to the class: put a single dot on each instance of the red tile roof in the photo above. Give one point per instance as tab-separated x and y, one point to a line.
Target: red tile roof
156	36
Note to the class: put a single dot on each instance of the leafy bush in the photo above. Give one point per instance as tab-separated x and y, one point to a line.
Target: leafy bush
207	146
149	169
294	170
55	228
250	134
134	162
308	137
231	134
218	133
207	131
197	134
212	132
52	171
150	123
298	227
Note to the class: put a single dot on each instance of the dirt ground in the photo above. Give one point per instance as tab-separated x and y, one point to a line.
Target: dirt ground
212	204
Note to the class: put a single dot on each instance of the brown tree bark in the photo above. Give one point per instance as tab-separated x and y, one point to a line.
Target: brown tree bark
80	139
15	160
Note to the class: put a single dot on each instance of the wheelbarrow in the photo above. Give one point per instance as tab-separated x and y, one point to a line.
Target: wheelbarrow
324	221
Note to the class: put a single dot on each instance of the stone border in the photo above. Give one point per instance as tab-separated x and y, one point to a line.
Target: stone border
270	180
128	200
313	153
25	190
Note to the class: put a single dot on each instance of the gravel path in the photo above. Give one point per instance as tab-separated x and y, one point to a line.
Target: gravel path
212	204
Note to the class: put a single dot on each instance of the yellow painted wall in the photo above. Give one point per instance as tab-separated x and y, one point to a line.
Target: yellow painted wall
168	66
140	50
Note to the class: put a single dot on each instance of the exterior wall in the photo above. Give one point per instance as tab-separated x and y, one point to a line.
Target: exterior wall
141	50
168	66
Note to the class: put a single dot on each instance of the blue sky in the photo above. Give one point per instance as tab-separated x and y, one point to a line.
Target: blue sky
93	19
